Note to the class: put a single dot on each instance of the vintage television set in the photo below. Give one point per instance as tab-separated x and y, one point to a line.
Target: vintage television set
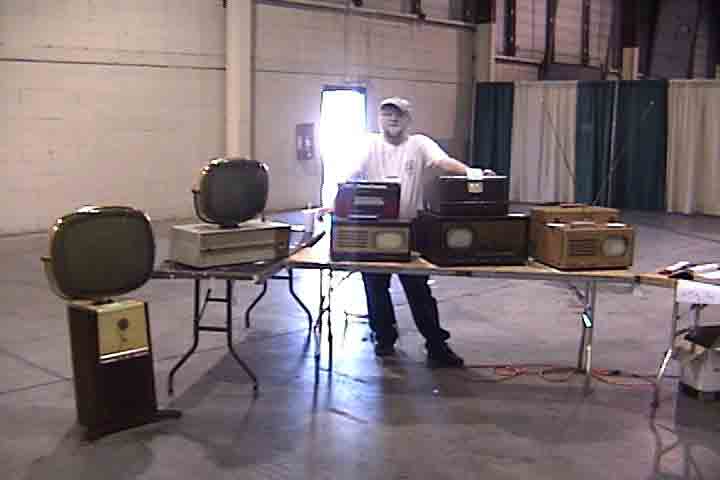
231	191
365	225
368	200
461	196
577	237
461	240
370	241
230	194
96	254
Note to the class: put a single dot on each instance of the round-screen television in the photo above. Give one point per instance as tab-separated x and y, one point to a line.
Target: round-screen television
100	252
231	191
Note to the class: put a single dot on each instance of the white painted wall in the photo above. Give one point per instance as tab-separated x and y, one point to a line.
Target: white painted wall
299	51
107	102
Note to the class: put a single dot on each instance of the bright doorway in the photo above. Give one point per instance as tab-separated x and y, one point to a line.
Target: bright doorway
343	129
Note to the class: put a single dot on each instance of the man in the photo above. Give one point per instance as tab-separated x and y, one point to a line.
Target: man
394	154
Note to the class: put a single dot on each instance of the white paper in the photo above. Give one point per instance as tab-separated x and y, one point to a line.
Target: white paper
676	266
711	275
708	267
696	292
474	173
309	217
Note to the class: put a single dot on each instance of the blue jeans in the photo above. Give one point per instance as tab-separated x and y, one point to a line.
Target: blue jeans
423	306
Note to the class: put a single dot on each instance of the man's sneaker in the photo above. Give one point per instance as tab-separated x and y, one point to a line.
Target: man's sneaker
441	356
384	349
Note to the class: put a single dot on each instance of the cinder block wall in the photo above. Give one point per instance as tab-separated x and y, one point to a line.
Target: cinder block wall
298	51
123	102
107	103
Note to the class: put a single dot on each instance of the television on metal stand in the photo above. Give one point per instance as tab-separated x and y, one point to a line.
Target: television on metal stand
97	254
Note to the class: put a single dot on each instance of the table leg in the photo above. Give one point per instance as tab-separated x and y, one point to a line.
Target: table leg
318	322
581	349
197	314
584	297
291	284
324	308
668	353
697	308
228	327
254	302
588	319
329	319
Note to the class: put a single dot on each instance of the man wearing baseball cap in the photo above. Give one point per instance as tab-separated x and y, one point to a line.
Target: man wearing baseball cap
395	154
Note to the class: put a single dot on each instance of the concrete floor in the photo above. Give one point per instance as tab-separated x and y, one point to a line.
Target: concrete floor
370	419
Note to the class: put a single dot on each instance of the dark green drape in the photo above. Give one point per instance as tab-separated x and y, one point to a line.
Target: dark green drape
592	140
492	139
640	146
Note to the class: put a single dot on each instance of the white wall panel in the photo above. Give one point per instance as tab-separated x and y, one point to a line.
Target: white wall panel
76	135
132	31
317	42
283	101
107	102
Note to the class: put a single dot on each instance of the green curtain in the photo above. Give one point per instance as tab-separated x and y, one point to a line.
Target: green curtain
592	140
640	156
492	140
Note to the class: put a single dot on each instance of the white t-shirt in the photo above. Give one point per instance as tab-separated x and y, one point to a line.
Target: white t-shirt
404	163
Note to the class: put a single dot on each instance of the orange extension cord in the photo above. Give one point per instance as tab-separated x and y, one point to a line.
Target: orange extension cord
557	374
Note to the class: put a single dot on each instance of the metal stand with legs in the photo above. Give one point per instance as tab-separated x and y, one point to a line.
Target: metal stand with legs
695	309
668	354
254	302
198	311
291	285
325	308
258	273
588	321
290	277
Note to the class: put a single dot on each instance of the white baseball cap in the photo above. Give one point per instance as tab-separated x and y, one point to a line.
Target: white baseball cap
400	103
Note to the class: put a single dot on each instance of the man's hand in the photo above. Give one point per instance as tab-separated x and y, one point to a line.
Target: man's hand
322	211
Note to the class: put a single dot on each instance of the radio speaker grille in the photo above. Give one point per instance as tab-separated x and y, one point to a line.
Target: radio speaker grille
583	247
353	238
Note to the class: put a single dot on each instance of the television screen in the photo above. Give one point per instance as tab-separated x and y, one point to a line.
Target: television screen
100	252
231	191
